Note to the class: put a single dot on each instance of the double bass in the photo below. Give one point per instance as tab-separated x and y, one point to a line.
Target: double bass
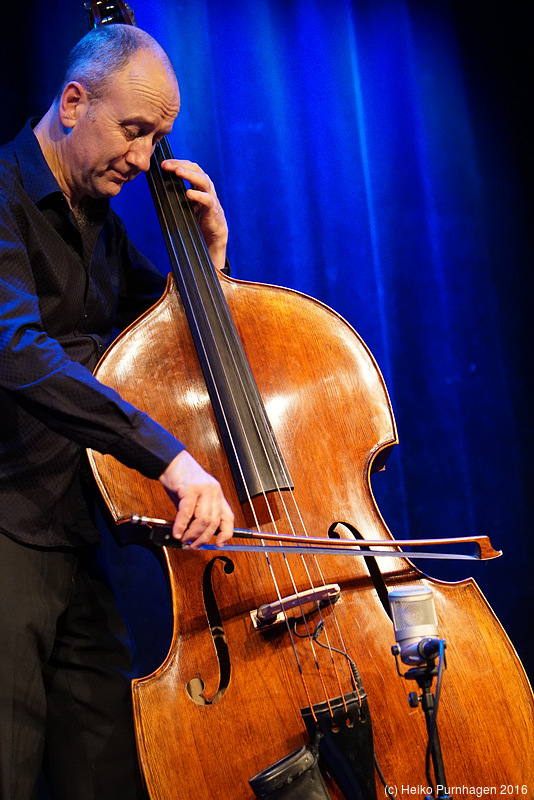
280	680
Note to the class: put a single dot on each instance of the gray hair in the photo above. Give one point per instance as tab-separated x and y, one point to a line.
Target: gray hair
103	52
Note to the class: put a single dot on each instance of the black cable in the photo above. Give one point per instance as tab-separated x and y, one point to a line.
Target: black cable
357	680
433	723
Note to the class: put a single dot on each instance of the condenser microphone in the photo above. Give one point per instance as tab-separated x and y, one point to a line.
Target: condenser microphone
415	624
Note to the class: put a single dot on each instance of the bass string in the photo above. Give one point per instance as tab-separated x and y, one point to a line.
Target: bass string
192	228
197	242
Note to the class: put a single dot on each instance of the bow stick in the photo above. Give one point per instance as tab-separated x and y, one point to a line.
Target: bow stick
304	545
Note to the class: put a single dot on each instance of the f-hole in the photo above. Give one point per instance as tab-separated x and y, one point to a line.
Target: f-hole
195	687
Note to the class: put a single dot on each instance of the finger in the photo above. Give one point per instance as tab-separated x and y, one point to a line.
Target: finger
184	515
202	513
211	515
226	525
198	533
191	172
170	164
207	200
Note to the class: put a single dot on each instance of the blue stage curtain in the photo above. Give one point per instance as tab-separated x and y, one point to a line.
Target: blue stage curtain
372	154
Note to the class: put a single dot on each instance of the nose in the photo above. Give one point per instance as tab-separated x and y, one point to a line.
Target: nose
140	152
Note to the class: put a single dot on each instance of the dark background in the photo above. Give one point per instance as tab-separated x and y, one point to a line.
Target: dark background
376	155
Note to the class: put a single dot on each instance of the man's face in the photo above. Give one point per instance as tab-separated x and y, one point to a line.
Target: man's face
114	137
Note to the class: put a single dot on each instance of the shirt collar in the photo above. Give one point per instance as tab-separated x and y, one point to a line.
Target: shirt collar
37	177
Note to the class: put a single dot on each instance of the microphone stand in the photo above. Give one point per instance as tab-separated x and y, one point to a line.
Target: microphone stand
424	676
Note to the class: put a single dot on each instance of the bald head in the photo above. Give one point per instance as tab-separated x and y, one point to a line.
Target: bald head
103	52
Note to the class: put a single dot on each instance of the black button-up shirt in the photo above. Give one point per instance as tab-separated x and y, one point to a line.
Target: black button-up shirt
63	289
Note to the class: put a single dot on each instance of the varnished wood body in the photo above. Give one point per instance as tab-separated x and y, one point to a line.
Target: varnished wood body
331	415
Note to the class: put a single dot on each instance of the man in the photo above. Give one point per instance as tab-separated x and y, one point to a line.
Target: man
68	274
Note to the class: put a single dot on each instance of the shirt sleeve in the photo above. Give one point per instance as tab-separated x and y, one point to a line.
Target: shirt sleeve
37	373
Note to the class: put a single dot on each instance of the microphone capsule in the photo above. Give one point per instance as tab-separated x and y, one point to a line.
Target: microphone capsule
415	623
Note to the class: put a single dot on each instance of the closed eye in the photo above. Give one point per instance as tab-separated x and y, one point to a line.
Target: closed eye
131	133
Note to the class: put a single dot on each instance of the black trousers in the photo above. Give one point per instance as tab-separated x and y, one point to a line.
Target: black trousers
65	670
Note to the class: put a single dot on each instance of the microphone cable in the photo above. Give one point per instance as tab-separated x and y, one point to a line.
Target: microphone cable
433	724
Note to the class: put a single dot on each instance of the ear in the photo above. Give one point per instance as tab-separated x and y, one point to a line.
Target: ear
72	103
